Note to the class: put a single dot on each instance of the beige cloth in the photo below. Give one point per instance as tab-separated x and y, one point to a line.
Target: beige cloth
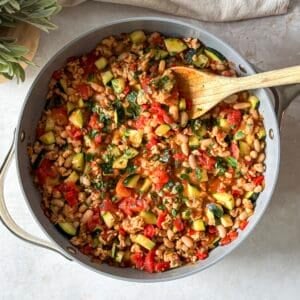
206	10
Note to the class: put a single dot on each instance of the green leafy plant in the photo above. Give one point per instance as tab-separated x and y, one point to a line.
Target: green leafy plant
34	12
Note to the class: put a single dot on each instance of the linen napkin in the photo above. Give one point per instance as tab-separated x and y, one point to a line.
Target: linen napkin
206	10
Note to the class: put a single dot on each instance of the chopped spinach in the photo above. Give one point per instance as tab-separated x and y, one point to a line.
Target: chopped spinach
133	109
174	212
198	173
221	166
232	162
184	176
130	168
165	157
179	188
93	133
106	120
89	156
107	167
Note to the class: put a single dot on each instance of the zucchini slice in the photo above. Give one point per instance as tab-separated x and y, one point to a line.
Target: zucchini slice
78	162
198	225
162	129
76	118
226	221
214	55
108	219
174	45
192	191
149	217
244	148
47	138
73	177
225	199
146	185
67	228
131	181
101	63
107	77
118	85
254	101
138	37
144	242
120	163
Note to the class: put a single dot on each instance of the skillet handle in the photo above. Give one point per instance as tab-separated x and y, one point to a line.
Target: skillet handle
8	221
284	96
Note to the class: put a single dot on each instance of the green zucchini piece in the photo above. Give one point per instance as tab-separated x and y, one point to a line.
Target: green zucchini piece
254	101
223	123
226	221
200	60
146	185
78	162
118	85
194	142
239	135
198	225
49	124
174	45
252	196
214	55
38	159
119	256
76	118
70	107
67	228
120	163
160	54
210	217
216	209
144	242
192	191
225	199
244	148
138	37
149	217
204	176
135	137
107	77
63	84
81	103
130	153
182	104
113	250
101	63
108	219
261	134
73	177
131	181
162	129
47	138
186	214
119	114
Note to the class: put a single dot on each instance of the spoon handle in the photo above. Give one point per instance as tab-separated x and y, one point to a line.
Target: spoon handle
284	76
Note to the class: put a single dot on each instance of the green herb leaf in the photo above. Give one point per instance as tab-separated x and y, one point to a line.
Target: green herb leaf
198	173
221	166
232	162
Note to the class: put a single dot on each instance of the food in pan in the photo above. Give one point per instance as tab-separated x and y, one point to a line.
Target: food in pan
126	175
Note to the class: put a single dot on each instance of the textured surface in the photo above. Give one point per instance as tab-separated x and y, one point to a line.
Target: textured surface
265	266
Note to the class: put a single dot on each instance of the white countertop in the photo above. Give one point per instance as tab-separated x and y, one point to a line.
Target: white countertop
265	266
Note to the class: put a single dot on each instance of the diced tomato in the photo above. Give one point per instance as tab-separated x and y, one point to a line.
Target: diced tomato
70	192
233	235
84	91
212	229
94	121
40	131
93	222
122	231
98	139
243	224
225	241
46	169
179	156
236	193
258	180
161	218
149	264
201	255
131	205
191	231
189	104
161	266
121	190
138	259
57	74
140	122
89	63
216	185
207	162
152	142
133	66
234	117
74	132
157	40
145	83
160	113
235	151
179	225
160	178
149	231
107	205
60	115
87	249
126	90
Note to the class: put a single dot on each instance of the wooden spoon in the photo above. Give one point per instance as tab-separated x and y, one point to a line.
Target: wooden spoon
206	90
